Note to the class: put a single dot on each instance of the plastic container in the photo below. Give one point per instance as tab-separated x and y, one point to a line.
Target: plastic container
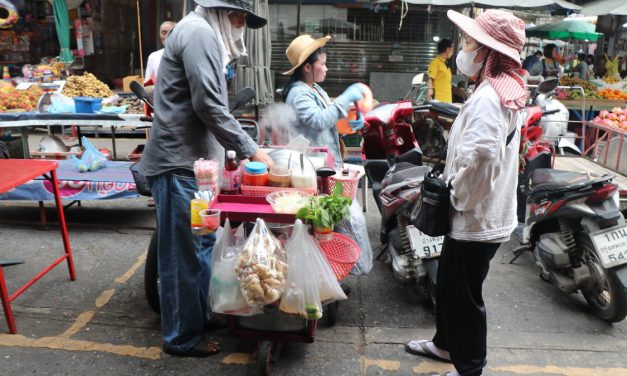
280	177
342	253
210	220
86	105
256	174
297	200
197	206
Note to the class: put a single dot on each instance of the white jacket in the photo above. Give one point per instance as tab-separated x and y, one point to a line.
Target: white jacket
483	170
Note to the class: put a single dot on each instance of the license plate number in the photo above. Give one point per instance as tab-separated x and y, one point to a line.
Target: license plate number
424	245
612	247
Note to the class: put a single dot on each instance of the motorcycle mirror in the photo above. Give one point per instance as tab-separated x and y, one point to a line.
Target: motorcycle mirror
548	86
140	92
241	97
418	79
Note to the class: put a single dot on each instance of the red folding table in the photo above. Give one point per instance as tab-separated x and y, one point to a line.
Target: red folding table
14	172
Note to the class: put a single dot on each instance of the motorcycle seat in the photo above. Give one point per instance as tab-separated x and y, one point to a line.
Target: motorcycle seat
447	109
547	179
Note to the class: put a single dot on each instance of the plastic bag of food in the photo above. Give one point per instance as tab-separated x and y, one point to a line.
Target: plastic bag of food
311	282
262	266
225	295
91	160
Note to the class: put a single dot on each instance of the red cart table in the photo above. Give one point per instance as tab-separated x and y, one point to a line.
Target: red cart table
14	172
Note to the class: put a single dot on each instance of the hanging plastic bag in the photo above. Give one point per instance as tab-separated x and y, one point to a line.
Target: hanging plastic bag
91	160
225	294
355	227
262	266
311	282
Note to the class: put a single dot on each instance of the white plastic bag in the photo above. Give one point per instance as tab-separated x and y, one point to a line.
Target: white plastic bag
310	282
225	294
355	227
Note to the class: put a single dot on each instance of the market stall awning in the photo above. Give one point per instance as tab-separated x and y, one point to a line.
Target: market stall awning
565	30
494	3
605	7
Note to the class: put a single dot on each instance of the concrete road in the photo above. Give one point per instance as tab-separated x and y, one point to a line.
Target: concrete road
101	324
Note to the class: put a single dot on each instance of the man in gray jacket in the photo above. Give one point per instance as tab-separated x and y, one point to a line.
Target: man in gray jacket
192	121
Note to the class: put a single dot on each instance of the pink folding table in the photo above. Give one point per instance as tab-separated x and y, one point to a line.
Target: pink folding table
14	172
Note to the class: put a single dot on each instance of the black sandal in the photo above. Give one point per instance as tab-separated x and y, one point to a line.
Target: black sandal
201	350
421	348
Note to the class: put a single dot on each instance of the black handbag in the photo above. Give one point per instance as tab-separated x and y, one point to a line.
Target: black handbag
431	214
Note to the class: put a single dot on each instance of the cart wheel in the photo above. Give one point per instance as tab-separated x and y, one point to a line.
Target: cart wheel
264	358
331	313
151	276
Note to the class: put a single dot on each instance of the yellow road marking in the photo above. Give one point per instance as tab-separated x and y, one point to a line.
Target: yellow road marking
80	322
129	273
523	369
59	343
104	298
428	366
386	365
239	358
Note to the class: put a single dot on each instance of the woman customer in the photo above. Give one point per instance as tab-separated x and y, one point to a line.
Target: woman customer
549	67
316	114
440	75
481	165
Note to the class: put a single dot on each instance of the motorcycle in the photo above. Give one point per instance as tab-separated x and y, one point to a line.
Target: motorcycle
571	223
394	167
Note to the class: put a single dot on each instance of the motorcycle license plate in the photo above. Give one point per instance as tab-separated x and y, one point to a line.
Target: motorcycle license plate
424	245
612	246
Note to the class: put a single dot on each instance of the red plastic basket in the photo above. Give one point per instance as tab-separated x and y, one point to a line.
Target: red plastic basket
263	191
350	182
342	253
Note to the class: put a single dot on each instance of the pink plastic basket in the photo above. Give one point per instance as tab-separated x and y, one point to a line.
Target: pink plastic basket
342	253
350	182
262	191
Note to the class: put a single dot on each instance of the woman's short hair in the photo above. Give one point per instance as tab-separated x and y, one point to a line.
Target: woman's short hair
444	44
548	50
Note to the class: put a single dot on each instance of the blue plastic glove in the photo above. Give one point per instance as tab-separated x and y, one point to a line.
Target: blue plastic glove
358	123
353	93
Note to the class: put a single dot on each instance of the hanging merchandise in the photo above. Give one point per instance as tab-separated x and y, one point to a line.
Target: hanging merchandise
62	24
11	14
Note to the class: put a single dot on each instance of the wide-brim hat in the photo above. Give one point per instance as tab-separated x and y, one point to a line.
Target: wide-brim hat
496	29
253	21
301	48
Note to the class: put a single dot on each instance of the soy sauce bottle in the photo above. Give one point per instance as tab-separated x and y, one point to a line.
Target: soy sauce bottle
230	182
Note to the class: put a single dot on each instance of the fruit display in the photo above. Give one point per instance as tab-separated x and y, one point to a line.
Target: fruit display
577	94
133	105
575	81
13	100
86	85
614	94
617	118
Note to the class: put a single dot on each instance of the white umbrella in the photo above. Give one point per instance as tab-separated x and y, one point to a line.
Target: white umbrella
494	3
254	69
605	7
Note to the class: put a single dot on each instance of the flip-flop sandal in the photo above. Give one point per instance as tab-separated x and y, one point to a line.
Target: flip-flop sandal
201	350
422	348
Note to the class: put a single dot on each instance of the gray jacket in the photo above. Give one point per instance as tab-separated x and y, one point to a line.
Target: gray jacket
317	115
192	118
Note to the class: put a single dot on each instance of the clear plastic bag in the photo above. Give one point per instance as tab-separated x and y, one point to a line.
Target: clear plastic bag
262	266
355	227
91	160
225	294
311	282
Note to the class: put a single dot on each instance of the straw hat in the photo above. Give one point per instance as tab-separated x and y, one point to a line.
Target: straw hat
496	29
253	20
301	48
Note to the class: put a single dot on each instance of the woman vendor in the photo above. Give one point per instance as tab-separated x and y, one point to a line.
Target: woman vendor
316	114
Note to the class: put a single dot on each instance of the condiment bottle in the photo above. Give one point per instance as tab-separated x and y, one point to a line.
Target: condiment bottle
230	183
256	173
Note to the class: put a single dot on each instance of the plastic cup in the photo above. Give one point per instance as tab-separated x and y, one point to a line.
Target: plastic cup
210	220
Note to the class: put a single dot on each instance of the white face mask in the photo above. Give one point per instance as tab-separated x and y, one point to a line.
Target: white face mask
466	62
237	33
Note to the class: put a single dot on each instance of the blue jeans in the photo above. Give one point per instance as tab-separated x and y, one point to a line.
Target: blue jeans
184	261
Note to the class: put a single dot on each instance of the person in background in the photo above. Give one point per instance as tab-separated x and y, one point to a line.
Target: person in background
622	67
590	62
192	121
582	67
152	66
548	67
440	75
482	169
316	114
532	60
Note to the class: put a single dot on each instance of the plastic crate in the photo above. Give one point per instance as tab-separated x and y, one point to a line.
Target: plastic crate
86	105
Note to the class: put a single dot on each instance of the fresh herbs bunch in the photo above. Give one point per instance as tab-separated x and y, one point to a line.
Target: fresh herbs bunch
326	211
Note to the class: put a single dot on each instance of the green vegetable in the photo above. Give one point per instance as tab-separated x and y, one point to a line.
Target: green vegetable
326	211
313	312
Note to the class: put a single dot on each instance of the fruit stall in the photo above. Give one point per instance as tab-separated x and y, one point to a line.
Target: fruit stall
606	138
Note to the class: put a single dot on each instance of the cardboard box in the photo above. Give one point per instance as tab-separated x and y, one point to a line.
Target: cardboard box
126	82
